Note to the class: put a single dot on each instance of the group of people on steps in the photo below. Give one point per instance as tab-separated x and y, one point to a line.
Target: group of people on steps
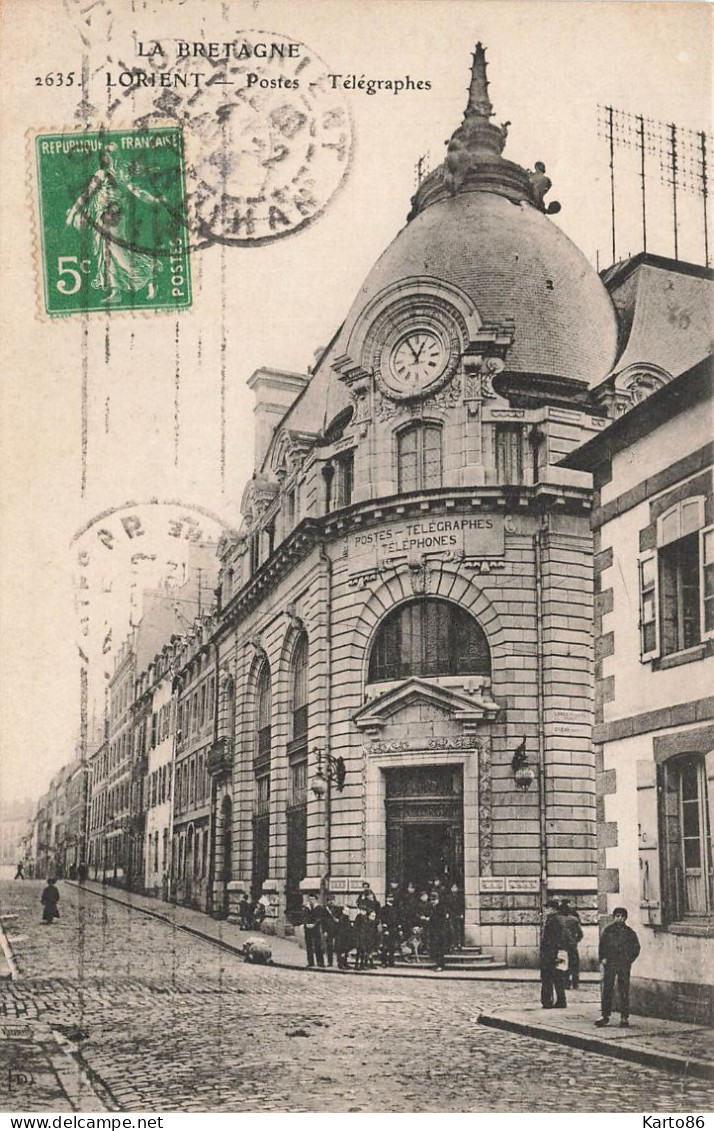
411	923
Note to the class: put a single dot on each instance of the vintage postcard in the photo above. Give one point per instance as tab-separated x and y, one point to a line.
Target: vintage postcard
358	559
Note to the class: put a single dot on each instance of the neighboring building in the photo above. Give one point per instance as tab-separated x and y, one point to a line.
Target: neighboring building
654	569
160	768
99	778
14	819
75	846
119	840
195	713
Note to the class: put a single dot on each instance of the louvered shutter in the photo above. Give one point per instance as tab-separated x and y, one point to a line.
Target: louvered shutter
648	843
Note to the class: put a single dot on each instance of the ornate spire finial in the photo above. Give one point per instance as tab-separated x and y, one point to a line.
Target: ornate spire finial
479	103
473	160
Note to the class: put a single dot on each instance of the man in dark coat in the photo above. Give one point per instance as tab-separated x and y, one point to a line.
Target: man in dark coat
456	904
49	900
408	908
367	900
619	947
332	917
552	976
389	923
343	938
573	934
438	930
313	921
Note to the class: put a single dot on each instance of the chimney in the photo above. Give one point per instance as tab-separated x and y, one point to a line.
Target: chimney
275	391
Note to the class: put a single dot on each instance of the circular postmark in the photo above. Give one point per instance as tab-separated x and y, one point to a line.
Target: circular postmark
268	138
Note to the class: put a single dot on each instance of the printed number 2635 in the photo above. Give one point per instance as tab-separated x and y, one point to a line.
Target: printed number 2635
72	285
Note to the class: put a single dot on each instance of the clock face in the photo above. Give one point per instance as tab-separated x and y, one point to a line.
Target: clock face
417	360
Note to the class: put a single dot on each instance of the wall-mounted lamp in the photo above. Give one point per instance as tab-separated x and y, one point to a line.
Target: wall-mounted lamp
329	769
523	773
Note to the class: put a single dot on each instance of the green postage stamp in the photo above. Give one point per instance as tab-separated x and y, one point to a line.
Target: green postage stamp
113	220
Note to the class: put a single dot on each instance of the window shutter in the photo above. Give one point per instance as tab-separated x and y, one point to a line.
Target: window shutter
709	802
648	843
649	607
706	581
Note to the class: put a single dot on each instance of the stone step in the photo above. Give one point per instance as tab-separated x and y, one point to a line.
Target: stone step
469	959
486	967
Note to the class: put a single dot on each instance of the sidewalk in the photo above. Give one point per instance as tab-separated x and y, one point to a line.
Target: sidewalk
289	953
670	1045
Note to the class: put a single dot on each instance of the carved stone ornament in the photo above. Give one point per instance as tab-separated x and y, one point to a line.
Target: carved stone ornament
226	681
480	372
296	622
419	574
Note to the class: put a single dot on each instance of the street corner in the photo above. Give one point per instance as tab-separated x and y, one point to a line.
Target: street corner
656	1042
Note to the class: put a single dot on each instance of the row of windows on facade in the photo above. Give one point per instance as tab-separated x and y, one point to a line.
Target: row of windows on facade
192	783
190	855
157	863
110	803
419	463
158	786
677	582
196	710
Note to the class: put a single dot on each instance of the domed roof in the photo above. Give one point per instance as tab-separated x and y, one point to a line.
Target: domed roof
514	264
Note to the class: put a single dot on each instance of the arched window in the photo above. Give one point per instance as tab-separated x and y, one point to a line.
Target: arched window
300	658
419	457
429	637
263	712
296	810
261	771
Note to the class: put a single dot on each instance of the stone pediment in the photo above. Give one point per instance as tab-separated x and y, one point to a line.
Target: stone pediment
403	703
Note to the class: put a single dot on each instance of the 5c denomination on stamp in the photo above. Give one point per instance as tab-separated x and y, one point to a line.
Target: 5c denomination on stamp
112	209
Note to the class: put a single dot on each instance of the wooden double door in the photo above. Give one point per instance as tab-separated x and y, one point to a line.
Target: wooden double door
425	825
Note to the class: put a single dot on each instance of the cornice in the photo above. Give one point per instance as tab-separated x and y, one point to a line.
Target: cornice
542	499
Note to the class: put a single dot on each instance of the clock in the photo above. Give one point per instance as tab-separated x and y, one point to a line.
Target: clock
414	346
416	361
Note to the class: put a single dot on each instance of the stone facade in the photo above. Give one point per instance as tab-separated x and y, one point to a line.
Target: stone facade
653	522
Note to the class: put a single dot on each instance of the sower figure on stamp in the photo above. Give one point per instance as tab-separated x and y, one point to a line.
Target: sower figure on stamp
105	207
313	923
552	978
619	947
49	900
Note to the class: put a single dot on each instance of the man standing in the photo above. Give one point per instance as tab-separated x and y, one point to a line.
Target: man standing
438	930
367	900
20	873
313	921
552	977
389	920
573	935
619	947
333	913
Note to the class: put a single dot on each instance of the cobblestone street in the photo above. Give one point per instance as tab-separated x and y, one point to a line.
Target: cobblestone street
154	1019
